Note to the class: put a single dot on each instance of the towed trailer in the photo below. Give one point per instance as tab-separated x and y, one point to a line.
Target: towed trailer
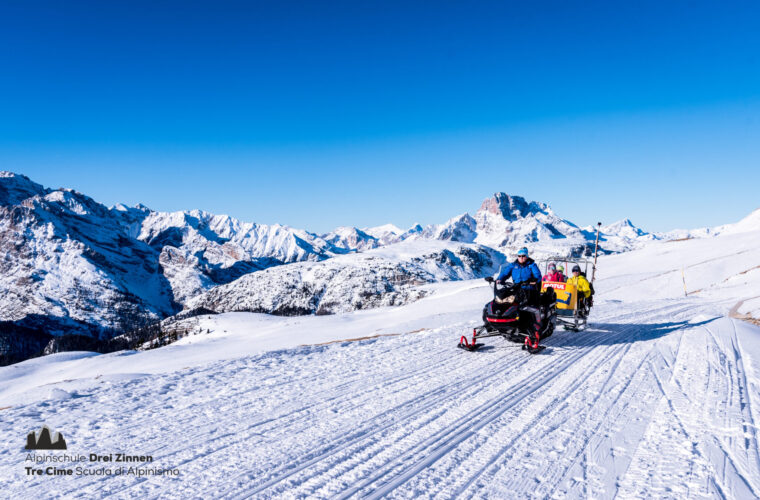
570	314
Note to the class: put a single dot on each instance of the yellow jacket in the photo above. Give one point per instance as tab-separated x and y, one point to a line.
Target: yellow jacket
581	284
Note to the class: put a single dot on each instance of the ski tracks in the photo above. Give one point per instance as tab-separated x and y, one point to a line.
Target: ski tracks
408	455
643	405
702	440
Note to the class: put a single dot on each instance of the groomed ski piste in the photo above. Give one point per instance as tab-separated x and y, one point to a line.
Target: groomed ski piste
658	398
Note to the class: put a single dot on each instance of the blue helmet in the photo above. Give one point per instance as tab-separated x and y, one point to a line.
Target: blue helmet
522	251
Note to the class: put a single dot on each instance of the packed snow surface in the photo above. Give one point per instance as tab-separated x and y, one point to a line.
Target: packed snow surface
658	398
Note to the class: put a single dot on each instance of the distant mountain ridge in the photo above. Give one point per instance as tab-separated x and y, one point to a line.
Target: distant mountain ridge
505	222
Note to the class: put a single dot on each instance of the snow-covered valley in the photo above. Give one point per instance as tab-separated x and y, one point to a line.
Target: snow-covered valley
658	398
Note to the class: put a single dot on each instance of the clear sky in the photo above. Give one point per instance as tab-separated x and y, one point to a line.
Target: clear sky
319	114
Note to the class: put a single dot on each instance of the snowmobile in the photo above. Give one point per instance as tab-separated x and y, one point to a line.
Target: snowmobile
511	315
570	312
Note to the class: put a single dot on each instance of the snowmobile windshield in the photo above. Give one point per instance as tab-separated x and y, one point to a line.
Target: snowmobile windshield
505	300
505	295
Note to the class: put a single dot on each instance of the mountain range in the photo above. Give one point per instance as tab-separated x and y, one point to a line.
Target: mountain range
72	265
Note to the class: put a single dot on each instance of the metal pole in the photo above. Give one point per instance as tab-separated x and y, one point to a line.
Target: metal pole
683	277
596	251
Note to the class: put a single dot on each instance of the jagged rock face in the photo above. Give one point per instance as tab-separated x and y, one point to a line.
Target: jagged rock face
15	188
371	279
511	208
462	228
67	266
224	240
505	221
510	222
201	250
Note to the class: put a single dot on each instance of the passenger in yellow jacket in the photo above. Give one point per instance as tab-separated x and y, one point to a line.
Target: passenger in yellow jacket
584	290
580	282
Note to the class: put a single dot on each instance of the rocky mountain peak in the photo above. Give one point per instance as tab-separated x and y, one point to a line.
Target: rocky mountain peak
511	207
15	188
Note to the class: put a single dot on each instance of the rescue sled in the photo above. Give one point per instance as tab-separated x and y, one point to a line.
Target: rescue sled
570	314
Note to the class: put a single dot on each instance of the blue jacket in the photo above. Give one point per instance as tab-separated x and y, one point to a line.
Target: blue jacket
525	272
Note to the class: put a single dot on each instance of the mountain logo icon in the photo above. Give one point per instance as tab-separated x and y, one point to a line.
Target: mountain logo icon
43	440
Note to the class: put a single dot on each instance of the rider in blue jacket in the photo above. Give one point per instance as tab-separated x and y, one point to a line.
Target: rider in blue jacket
524	270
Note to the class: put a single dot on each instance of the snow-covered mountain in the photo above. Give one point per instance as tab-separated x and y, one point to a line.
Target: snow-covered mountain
385	234
352	239
71	265
200	250
68	265
749	223
381	277
507	223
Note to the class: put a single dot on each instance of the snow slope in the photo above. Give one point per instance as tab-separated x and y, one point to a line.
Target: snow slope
725	269
658	398
749	223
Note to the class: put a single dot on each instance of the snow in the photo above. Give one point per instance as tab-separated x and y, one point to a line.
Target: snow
351	239
658	398
749	223
378	231
723	268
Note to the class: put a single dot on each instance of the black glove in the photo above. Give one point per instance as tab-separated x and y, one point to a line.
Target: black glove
489	279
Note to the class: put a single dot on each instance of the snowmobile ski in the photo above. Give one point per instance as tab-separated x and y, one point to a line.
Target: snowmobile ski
470	346
533	350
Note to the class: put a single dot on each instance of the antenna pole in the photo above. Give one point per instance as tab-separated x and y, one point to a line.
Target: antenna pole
596	251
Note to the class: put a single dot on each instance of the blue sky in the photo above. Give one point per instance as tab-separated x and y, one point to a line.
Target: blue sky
318	114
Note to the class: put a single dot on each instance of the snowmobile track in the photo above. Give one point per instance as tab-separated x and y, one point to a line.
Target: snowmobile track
506	401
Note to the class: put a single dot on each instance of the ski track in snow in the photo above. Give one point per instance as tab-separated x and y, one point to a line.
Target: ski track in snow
642	404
